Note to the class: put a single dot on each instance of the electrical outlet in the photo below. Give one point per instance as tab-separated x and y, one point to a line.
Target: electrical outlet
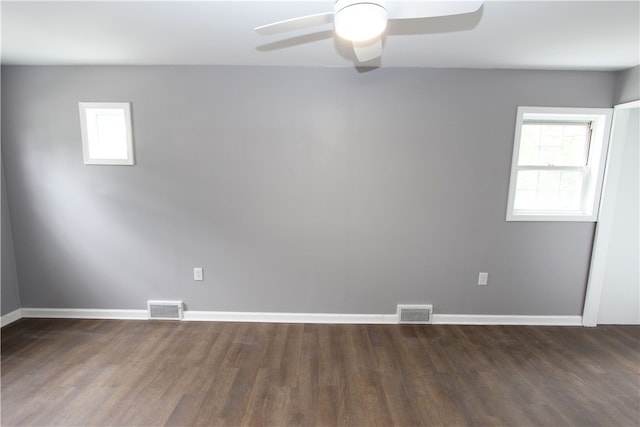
483	278
197	273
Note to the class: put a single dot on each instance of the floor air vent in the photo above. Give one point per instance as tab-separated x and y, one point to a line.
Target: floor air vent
420	314
165	310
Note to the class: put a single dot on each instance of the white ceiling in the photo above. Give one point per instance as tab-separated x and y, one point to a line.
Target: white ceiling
577	35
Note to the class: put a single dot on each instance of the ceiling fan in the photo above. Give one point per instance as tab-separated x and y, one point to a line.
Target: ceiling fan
363	21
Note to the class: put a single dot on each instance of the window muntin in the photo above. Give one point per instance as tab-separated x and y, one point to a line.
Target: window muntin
557	165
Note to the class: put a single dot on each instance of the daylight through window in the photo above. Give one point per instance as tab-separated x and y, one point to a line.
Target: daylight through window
106	133
557	164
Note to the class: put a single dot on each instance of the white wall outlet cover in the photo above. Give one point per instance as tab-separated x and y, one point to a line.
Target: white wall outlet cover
483	278
197	273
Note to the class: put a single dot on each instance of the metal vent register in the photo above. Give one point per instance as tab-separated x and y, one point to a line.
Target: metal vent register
420	314
165	310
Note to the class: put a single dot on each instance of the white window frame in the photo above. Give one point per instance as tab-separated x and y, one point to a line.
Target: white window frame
593	172
86	109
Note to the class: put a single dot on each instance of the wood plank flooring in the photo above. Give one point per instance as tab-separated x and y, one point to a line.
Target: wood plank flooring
148	373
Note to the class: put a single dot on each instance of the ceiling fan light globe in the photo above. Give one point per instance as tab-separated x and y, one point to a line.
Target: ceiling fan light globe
361	21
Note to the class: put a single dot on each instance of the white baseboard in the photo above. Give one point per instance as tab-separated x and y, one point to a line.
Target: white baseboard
82	313
329	318
227	316
481	319
10	317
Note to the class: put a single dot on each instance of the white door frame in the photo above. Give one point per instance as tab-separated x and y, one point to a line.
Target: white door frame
607	205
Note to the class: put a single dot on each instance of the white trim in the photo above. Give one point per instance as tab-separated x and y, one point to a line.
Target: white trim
483	319
604	226
328	318
631	104
230	316
84	313
10	317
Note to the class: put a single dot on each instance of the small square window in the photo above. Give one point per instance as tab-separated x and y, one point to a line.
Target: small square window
558	164
106	133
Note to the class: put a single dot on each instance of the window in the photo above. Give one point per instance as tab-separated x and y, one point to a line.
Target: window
558	164
106	133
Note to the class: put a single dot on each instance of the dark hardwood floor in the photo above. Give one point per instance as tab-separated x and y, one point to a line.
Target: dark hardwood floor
150	373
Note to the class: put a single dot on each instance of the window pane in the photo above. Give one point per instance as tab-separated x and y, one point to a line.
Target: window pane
525	199
527	180
568	200
107	133
554	144
571	180
555	190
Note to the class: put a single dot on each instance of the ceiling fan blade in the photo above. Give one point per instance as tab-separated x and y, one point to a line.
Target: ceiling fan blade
295	24
366	51
428	9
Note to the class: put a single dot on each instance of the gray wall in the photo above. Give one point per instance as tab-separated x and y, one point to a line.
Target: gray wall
628	85
10	295
297	190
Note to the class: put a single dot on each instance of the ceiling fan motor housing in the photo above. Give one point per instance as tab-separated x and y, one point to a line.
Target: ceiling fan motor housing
358	20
